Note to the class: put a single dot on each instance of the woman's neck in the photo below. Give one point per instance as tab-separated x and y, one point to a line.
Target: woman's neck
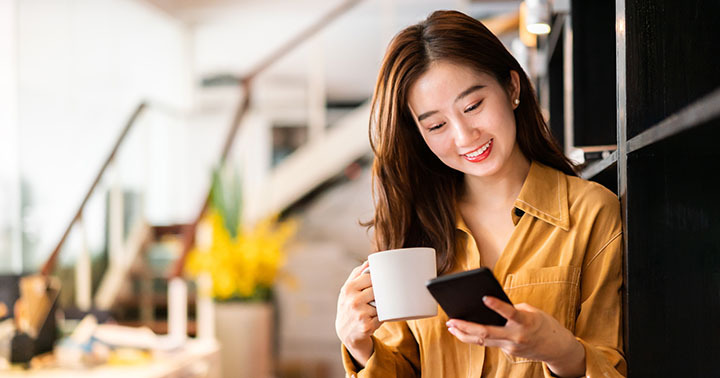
500	190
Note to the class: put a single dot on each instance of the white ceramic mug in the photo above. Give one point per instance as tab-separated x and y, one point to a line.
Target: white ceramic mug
398	278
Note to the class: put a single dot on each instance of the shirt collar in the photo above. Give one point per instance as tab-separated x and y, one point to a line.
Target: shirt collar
543	196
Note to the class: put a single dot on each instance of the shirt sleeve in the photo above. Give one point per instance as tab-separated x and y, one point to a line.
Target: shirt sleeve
599	322
395	354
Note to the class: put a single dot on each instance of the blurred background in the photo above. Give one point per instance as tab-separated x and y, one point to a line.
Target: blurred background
147	145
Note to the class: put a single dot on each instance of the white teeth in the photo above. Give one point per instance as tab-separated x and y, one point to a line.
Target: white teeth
480	150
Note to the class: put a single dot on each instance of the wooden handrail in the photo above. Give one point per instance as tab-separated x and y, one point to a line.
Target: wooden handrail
51	261
322	22
301	37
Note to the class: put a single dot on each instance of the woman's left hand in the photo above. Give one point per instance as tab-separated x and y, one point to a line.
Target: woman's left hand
529	333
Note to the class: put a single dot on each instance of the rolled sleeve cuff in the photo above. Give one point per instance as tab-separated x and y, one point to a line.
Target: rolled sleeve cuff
380	363
597	364
349	363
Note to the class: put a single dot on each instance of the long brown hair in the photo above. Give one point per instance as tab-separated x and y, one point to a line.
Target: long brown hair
414	191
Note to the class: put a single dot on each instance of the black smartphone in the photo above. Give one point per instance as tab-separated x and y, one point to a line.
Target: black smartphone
460	295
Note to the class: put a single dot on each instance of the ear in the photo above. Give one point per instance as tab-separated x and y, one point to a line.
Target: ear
514	87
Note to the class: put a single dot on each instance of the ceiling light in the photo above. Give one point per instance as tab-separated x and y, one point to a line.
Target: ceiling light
537	20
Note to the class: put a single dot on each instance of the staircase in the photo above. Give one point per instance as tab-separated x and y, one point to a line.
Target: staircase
318	161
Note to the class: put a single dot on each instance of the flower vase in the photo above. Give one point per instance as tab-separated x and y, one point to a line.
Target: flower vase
245	333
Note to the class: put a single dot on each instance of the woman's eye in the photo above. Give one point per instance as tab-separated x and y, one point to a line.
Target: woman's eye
473	107
435	127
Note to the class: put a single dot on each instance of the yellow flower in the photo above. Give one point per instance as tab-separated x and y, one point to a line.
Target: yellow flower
244	267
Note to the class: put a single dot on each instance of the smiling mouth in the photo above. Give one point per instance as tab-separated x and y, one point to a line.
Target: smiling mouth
480	153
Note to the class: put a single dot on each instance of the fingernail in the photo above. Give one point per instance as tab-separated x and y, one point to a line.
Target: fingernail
447	323
451	330
485	299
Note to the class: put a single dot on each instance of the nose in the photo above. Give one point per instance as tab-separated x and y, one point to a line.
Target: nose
465	133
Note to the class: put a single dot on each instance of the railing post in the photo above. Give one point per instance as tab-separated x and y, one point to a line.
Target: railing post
205	308
116	217
83	272
177	309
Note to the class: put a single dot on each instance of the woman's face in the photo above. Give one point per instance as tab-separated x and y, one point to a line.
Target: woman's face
466	117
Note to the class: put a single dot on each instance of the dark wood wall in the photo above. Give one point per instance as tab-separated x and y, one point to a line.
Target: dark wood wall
646	78
672	127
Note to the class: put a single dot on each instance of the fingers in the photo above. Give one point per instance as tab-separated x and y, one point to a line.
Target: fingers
356	296
357	280
361	283
525	307
472	333
506	310
483	332
358	270
362	302
367	295
478	339
465	337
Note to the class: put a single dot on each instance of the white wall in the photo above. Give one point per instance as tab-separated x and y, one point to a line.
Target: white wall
83	66
10	253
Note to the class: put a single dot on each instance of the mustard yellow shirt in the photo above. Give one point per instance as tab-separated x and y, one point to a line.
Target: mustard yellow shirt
564	257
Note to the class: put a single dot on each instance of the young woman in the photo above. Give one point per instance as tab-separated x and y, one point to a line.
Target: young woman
464	163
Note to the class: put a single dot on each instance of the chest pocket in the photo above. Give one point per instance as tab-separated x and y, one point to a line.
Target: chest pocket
554	290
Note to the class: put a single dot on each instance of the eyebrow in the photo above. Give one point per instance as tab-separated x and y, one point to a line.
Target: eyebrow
462	95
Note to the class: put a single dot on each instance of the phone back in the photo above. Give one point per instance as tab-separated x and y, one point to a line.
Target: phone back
460	295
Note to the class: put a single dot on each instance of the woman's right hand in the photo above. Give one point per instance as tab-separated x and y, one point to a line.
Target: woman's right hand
356	319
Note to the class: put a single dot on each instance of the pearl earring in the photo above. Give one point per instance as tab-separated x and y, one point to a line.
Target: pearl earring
517	101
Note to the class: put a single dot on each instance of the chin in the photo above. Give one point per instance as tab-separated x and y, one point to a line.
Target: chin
483	169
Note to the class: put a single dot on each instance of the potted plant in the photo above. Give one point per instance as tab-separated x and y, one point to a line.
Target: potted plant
243	264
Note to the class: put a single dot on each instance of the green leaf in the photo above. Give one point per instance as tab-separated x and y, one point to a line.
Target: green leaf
226	198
